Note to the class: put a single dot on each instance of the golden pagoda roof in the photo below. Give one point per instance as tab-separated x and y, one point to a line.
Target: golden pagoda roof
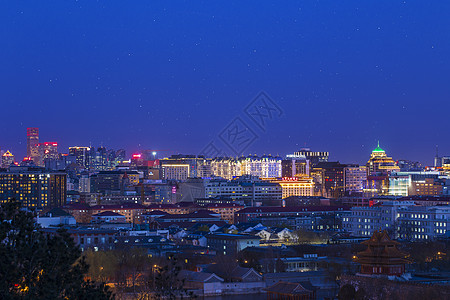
7	153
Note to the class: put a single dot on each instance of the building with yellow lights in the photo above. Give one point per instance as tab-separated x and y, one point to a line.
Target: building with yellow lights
380	164
180	167
295	186
263	167
34	187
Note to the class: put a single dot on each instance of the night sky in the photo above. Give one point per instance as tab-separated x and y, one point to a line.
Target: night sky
153	75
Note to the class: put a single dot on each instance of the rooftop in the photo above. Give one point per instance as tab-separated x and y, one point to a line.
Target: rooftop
378	149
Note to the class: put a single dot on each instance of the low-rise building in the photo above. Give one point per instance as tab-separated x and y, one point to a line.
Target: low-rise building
108	217
252	213
403	219
230	244
226	211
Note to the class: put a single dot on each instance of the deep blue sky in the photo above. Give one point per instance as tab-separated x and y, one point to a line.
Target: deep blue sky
149	74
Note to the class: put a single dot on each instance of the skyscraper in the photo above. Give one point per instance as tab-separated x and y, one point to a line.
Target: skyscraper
32	143
82	154
7	159
47	151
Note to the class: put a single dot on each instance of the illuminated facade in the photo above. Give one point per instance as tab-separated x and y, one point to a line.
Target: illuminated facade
179	172
47	151
399	184
7	159
355	178
406	219
380	164
98	159
296	186
180	167
314	157
427	186
251	192
34	187
294	166
331	177
262	167
225	167
32	143
82	155
415	183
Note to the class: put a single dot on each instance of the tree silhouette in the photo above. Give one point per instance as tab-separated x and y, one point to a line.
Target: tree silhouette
34	265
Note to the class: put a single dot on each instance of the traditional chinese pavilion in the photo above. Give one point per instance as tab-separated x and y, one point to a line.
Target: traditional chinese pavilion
382	256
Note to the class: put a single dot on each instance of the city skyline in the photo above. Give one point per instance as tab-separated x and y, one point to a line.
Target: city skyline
167	152
174	75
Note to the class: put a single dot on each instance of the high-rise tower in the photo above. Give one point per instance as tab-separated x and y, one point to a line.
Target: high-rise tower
32	143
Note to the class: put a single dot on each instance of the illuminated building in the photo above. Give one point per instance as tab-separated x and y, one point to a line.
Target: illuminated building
61	163
331	176
406	219
427	186
82	155
445	162
294	166
27	162
226	211
252	214
106	182
251	191
262	167
415	183
32	143
7	159
179	172
399	184
34	187
98	160
296	186
408	166
380	164
180	167
225	167
314	157
47	151
355	178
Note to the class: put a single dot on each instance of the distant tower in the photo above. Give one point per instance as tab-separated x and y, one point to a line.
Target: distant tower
437	159
32	143
7	159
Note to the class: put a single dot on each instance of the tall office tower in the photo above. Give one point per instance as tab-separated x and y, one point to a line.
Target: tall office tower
32	143
313	156
99	159
47	151
437	159
7	159
82	155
